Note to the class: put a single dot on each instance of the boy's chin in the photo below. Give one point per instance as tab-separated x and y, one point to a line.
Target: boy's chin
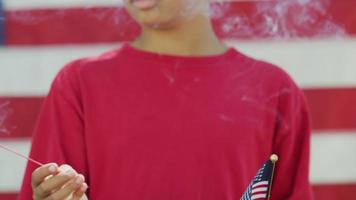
158	24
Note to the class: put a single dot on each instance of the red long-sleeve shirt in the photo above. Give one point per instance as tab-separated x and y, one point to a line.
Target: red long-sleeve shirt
144	126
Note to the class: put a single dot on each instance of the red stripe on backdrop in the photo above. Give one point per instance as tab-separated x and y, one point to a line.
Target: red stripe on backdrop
330	109
77	25
8	196
321	192
238	20
332	192
19	116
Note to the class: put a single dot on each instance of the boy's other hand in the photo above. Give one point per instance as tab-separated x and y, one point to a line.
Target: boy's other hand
50	182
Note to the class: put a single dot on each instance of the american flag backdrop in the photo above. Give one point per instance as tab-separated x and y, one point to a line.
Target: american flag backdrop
314	40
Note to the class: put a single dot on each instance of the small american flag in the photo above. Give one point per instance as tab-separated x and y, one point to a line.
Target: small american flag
260	187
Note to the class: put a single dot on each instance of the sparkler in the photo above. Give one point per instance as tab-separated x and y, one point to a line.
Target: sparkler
21	155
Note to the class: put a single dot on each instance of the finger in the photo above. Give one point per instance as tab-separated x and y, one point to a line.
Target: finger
42	172
68	189
55	183
80	193
65	167
84	197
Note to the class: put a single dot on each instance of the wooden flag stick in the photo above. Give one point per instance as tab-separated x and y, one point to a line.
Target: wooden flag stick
274	159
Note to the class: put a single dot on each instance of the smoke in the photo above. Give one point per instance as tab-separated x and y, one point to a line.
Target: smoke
280	19
277	19
5	111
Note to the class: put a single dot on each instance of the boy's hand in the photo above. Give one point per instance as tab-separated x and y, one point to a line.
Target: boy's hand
50	182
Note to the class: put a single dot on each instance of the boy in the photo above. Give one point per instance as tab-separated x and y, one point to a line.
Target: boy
174	115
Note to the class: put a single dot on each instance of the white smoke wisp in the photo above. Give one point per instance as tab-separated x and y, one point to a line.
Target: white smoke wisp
280	19
4	113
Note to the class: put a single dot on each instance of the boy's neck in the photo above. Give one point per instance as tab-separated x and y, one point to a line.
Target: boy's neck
192	38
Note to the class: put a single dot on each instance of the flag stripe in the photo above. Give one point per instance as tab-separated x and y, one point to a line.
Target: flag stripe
332	157
42	63
339	103
70	24
19	116
303	60
26	27
260	183
8	196
38	4
259	196
312	63
259	189
340	168
335	191
332	108
12	166
35	4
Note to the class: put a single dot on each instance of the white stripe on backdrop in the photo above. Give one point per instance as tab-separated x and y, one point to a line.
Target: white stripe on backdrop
329	162
333	157
12	168
38	4
313	64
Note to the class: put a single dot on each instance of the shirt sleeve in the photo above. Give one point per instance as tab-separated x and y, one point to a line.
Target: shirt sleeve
292	145
59	134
